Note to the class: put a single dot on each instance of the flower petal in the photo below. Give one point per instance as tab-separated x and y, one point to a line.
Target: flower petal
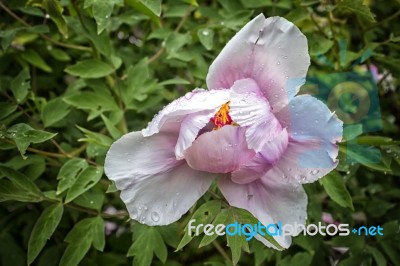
163	198
262	161
133	157
271	51
190	129
317	123
219	151
270	199
154	185
250	108
312	150
170	118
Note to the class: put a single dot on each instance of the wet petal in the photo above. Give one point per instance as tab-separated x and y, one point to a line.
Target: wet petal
250	108
273	52
170	117
262	161
219	151
270	199
156	188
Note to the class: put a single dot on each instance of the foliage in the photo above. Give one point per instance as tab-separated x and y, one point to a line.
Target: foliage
77	74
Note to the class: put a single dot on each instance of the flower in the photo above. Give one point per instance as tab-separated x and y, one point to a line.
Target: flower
249	130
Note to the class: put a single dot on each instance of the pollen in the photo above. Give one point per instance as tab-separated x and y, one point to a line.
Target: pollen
222	117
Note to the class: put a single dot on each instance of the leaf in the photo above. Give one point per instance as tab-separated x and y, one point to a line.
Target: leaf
88	231
23	135
44	229
92	101
20	85
68	173
148	241
102	10
206	37
20	188
55	10
33	58
151	8
235	242
203	215
358	7
7	37
6	109
87	179
59	55
333	184
91	68
54	111
221	218
114	132
96	138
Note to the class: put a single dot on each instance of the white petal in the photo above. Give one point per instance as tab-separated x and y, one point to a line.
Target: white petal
170	118
273	52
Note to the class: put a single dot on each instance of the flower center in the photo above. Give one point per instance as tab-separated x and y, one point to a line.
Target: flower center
222	117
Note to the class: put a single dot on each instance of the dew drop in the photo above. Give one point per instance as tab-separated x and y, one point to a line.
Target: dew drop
348	172
205	32
91	202
155	217
278	63
134	214
314	172
286	57
139	208
145	208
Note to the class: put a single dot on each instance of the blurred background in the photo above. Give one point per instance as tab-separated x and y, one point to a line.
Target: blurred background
75	75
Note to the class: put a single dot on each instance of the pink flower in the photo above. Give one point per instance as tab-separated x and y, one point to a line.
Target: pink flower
248	130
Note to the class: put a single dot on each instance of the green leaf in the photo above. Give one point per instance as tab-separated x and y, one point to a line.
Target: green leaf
87	179
88	231
206	37
6	109
92	101
55	10
151	8
358	7
96	138
91	68
54	111
236	242
20	85
148	241
23	135
68	173
59	55
333	184
7	37
102	10
21	188
33	58
221	218
114	132
44	229
203	215
91	199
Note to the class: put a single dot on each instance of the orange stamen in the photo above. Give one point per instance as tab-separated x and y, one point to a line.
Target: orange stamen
222	117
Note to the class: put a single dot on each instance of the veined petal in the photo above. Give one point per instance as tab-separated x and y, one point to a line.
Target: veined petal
270	199
170	118
262	161
154	185
189	130
250	108
219	151
271	51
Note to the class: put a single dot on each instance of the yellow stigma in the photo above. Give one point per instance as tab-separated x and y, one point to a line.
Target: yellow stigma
222	117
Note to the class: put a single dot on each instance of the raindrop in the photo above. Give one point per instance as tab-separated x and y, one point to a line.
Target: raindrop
278	63
389	151
316	121
303	177
142	219
140	208
145	208
348	172
120	35
287	77
47	16
205	32
91	202
314	172
107	16
286	57
155	217
134	214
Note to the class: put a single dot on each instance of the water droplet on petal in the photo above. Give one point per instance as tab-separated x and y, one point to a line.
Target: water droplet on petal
134	214
314	172
155	217
278	63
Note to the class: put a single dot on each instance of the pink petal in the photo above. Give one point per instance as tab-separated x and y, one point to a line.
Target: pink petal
219	151
270	199
271	51
155	187
262	161
250	108
170	118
